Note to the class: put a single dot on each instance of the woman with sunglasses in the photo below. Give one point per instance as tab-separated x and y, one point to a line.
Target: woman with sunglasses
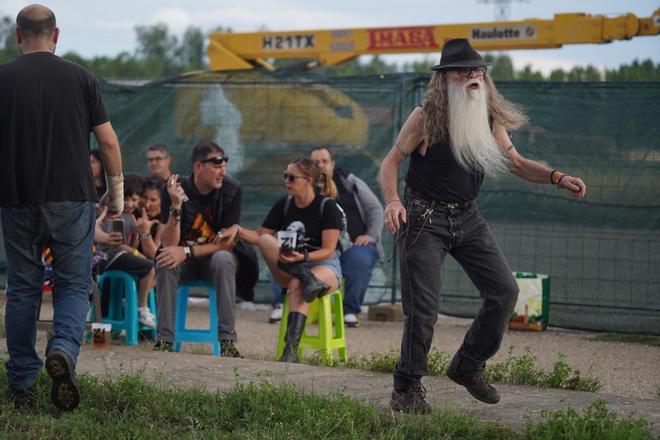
309	269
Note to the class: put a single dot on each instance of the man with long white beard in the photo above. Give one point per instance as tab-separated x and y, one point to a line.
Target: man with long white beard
457	136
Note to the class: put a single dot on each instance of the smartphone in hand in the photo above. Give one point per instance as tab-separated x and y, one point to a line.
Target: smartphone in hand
119	226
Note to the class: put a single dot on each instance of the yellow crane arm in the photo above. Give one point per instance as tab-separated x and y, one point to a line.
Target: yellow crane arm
234	51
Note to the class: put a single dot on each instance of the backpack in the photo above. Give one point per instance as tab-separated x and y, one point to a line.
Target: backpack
344	242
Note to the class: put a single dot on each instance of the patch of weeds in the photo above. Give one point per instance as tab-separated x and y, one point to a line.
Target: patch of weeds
522	370
519	370
320	359
381	362
632	338
200	349
596	422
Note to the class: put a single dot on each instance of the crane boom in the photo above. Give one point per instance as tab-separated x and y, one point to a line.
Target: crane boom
235	51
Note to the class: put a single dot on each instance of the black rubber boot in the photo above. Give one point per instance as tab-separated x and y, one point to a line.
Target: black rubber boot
312	287
294	330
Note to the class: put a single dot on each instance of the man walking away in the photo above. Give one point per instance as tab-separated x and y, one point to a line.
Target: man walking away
48	106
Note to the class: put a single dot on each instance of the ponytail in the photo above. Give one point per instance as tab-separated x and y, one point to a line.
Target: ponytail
326	185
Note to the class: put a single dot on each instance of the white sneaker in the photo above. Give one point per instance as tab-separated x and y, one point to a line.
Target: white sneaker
351	320
276	314
146	318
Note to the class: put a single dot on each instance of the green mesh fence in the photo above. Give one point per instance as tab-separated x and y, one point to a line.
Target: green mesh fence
602	252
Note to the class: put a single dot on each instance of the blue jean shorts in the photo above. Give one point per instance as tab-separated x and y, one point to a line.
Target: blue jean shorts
332	262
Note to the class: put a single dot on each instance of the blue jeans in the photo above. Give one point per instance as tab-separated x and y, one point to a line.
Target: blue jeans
356	265
68	229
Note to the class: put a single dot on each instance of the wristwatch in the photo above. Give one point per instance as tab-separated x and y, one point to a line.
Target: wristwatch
145	236
187	251
306	255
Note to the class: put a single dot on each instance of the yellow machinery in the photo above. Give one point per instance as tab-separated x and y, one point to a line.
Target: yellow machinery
236	51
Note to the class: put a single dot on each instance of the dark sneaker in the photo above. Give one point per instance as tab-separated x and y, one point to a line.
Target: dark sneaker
228	349
477	386
411	401
65	392
23	399
163	346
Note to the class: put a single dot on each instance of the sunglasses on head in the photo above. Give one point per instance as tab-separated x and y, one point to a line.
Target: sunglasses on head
217	160
291	178
465	71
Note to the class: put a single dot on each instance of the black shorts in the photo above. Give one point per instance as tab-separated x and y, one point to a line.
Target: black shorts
131	264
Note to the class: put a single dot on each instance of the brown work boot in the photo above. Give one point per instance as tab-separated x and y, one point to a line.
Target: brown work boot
477	386
411	401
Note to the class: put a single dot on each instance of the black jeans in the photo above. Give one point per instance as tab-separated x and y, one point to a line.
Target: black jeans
432	231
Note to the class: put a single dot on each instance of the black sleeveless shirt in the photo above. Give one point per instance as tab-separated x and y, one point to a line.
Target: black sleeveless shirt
438	176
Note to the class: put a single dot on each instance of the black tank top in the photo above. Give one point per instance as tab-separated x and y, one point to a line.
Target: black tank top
438	176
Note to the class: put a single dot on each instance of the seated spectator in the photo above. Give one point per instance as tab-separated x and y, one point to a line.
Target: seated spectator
132	185
364	221
311	268
97	172
121	254
198	242
148	222
159	161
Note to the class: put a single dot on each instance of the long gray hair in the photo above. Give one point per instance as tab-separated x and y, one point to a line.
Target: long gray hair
436	116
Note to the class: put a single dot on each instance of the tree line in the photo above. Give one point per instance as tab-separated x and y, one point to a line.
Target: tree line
160	53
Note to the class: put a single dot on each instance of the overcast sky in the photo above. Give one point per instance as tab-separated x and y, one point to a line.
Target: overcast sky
91	27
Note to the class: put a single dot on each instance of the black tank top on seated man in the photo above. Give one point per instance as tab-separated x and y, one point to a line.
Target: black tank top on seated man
310	216
438	176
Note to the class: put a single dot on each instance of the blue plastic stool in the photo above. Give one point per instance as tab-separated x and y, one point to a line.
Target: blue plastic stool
183	334
123	305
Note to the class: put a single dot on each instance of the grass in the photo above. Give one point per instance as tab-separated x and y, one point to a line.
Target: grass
520	370
653	341
130	407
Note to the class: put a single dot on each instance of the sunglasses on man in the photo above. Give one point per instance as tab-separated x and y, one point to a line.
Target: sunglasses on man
217	160
465	71
291	177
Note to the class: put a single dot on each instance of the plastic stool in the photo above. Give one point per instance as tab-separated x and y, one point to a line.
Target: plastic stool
326	340
183	334
123	305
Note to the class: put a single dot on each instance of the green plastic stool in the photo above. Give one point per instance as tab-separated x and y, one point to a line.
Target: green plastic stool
327	340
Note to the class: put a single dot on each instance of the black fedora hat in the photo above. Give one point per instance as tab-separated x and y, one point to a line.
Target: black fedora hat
458	52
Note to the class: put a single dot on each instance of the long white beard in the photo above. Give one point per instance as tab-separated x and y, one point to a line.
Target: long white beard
472	141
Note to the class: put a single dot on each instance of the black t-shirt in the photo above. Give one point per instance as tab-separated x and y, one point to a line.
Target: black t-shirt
204	215
309	216
48	106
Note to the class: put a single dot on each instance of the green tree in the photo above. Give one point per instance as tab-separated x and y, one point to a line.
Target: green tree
8	46
527	74
557	75
502	68
637	71
191	53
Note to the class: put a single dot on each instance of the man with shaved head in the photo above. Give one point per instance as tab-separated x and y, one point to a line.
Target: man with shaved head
48	107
